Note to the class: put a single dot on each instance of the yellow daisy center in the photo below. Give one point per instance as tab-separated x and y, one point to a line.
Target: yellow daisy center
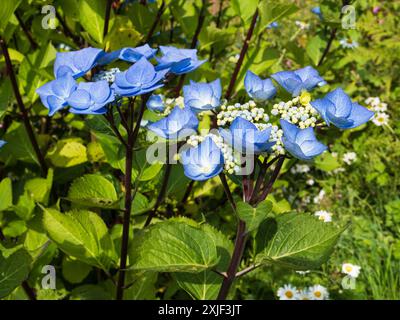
349	268
318	294
289	294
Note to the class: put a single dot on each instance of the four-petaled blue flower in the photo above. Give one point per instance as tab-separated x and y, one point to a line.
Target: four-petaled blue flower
91	98
273	25
54	94
76	63
202	96
202	162
301	143
140	78
128	54
2	143
179	124
179	61
245	137
156	103
317	11
337	108
296	81
257	88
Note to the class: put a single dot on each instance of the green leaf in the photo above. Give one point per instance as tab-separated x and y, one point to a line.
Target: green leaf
143	285
93	190
7	9
13	270
67	153
326	162
205	285
81	234
92	13
90	292
5	194
273	11
315	48
245	9
74	271
5	95
296	240
253	216
172	246
39	189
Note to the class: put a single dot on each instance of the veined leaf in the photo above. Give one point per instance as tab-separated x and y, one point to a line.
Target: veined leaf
7	9
172	246
93	190
81	234
13	270
92	13
5	194
253	216
296	240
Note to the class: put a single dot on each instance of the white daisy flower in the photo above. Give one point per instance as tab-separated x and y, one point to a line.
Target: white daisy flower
381	119
348	43
323	215
287	292
351	270
303	273
349	157
310	182
318	292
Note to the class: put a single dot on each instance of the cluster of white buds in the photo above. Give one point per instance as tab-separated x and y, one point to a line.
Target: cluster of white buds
276	136
64	47
232	160
171	103
298	111
108	75
248	111
302	25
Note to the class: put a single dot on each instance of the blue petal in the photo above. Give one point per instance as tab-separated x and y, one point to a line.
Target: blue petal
142	72
55	104
305	134
313	148
80	99
2	143
360	115
156	103
321	105
341	101
290	130
289	81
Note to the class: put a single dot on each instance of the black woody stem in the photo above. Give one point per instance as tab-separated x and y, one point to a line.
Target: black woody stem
227	191
26	31
268	187
200	22
241	56
237	254
23	110
107	17
132	136
156	21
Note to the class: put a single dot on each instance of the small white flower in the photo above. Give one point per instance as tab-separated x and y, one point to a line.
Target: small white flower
323	215
348	43
303	272
381	119
287	292
310	182
351	270
318	292
319	197
349	157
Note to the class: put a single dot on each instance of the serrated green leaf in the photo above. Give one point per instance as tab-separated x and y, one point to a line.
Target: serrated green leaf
67	153
91	16
205	285
93	190
253	216
272	11
81	234
39	189
172	246
7	9
74	271
296	240
13	270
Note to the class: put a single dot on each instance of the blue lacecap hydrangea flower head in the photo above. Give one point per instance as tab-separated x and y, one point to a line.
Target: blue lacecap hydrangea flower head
139	79
296	81
202	162
245	137
179	61
179	124
156	103
91	98
202	96
257	88
301	143
76	63
54	94
337	108
128	54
